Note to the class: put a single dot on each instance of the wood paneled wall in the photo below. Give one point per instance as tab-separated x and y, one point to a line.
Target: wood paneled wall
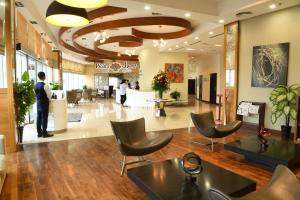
71	66
32	41
7	119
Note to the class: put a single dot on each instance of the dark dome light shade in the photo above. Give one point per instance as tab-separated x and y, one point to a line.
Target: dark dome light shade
62	15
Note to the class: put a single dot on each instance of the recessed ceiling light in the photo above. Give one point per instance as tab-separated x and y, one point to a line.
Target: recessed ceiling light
272	6
210	33
187	14
196	38
2	3
177	46
185	42
218	45
221	21
147	7
170	49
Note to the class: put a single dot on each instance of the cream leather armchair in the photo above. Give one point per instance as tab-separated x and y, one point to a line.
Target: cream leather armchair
3	165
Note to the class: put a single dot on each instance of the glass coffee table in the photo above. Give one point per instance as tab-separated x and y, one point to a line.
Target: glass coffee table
166	181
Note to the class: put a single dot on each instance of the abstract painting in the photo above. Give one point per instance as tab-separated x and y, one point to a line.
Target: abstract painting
174	72
270	65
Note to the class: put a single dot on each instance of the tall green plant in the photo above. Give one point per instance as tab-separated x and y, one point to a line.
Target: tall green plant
24	97
283	100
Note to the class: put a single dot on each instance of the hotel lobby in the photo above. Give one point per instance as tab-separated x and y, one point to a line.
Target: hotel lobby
149	99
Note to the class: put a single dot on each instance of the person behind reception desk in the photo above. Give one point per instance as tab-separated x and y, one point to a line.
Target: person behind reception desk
123	87
137	85
43	95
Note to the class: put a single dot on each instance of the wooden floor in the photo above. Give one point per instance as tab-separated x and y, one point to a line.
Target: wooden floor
89	169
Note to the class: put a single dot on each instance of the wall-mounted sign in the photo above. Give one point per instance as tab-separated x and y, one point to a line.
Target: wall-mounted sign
124	67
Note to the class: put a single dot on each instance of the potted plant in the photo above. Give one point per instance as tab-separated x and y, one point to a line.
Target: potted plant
283	100
160	83
175	95
54	86
24	98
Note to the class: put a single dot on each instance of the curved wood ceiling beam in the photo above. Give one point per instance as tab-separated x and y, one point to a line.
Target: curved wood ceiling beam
157	36
125	40
94	14
128	58
130	22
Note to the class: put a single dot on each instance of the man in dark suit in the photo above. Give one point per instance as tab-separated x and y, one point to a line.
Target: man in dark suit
43	95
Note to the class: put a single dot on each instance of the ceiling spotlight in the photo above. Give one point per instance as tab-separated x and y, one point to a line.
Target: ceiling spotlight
187	14
190	49
147	7
170	49
210	33
185	42
218	45
221	21
84	3
177	46
61	15
272	6
196	38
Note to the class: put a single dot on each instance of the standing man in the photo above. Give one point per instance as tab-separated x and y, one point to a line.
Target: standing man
43	95
123	87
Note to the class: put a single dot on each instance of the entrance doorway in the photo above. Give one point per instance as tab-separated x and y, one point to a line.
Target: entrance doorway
200	87
191	86
213	88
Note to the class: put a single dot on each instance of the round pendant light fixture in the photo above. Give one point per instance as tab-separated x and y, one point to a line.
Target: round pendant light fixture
84	3
62	15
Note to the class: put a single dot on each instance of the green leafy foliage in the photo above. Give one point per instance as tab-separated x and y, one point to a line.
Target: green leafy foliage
175	94
24	97
55	86
160	82
84	87
283	99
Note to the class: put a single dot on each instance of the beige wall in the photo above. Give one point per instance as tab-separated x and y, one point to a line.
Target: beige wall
151	61
205	65
277	27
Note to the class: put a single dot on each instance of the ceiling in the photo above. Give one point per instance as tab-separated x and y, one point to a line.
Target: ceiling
206	37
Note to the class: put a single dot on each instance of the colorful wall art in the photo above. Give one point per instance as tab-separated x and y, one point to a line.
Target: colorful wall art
174	72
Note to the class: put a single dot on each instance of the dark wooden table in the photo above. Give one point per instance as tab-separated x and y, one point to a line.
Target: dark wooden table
278	152
166	181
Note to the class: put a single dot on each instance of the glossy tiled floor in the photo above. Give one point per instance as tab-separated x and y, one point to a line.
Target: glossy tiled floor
96	120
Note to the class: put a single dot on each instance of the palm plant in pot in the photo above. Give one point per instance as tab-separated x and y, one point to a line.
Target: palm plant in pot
283	100
160	83
24	98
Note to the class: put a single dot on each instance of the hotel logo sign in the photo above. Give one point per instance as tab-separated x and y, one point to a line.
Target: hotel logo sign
118	67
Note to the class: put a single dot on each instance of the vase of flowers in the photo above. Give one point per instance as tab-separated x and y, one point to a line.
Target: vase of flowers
160	83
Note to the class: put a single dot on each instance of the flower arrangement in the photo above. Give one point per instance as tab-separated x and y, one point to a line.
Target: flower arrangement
160	83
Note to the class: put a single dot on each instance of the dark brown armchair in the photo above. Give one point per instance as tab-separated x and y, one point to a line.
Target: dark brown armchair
133	140
205	124
283	185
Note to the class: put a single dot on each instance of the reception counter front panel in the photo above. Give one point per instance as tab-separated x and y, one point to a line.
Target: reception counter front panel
136	98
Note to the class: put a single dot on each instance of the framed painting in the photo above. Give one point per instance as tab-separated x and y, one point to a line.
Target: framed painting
174	72
270	65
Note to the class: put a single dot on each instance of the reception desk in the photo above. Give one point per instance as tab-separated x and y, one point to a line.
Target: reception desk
136	98
57	115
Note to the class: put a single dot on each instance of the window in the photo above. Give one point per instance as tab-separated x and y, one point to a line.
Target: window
32	68
3	72
230	73
72	81
55	75
21	65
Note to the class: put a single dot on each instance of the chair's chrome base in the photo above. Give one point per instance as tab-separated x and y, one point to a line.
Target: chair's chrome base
210	143
125	163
